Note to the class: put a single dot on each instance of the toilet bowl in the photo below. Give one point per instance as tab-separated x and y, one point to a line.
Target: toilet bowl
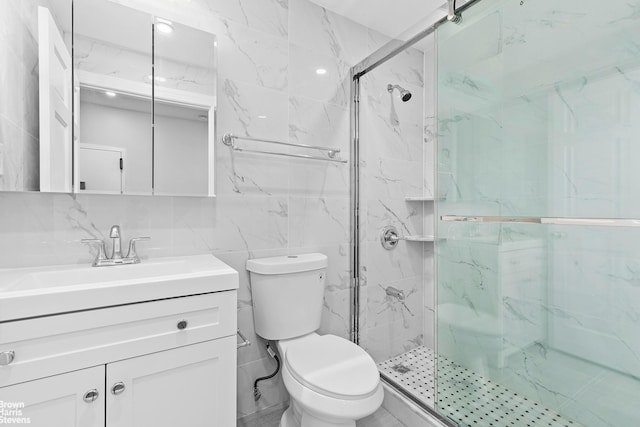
331	381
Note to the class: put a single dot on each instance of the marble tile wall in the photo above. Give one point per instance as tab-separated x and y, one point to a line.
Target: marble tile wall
394	166
269	51
19	118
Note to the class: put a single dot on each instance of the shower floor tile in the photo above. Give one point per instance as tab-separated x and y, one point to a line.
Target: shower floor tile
464	396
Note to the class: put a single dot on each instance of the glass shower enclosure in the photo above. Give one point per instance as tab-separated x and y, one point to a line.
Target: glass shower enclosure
519	146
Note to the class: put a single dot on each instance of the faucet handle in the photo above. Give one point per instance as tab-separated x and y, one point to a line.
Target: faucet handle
131	254
102	253
115	232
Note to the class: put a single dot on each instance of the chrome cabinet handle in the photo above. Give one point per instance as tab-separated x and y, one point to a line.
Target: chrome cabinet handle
91	396
6	357
118	388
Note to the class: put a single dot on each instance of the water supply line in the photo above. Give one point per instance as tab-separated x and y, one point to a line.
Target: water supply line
256	391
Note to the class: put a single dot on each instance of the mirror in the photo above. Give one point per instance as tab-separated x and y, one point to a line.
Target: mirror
185	85
132	113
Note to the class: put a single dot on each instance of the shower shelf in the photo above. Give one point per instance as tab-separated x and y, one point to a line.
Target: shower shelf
420	199
419	238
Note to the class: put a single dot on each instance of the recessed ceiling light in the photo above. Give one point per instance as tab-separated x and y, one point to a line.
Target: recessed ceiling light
321	71
110	94
164	26
262	117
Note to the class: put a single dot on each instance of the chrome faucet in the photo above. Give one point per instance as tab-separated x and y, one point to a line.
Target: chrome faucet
102	260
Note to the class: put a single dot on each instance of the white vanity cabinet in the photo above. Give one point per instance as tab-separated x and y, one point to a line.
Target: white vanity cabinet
189	385
57	401
161	362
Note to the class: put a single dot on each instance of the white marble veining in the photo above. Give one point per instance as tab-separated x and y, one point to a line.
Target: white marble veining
269	16
327	33
253	57
331	87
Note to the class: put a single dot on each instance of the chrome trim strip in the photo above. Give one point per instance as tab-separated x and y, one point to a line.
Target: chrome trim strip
592	222
354	206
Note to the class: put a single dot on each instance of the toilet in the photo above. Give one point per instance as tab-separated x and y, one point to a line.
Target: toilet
331	381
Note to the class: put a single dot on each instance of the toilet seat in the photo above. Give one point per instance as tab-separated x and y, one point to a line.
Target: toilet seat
333	367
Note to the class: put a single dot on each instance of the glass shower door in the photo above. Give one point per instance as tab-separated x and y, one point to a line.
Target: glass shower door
537	309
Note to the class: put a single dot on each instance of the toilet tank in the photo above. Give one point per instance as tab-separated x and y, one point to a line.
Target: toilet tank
287	293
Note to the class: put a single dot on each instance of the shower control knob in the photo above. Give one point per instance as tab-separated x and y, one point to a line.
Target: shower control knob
389	237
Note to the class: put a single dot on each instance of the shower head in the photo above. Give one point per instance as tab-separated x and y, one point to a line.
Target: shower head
405	95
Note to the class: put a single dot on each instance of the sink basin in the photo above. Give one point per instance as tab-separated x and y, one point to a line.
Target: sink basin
64	277
42	291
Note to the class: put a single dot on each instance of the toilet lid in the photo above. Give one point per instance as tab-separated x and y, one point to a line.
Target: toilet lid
333	366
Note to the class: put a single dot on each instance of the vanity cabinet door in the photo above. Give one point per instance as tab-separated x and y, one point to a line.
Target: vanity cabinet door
191	386
74	399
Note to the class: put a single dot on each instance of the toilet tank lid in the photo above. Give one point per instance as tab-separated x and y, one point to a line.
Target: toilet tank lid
287	264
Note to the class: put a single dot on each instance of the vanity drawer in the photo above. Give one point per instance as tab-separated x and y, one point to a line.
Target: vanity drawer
61	343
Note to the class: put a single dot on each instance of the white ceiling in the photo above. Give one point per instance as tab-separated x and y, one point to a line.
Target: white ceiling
389	17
